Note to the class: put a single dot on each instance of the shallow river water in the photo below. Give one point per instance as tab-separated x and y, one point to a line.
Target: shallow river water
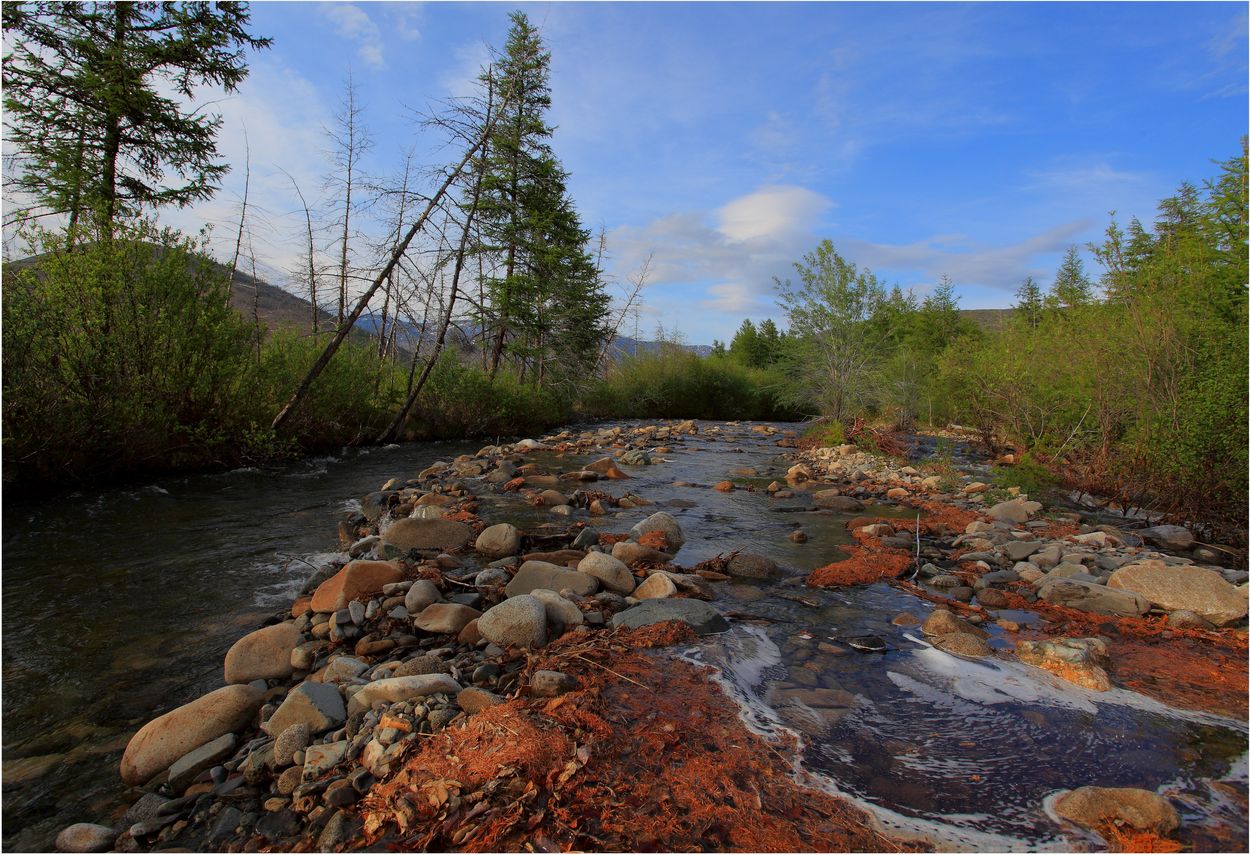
120	604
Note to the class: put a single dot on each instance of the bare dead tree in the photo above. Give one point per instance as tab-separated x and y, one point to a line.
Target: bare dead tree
312	254
396	255
247	180
637	282
350	140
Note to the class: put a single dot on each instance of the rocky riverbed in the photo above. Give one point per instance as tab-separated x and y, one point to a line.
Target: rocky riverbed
489	664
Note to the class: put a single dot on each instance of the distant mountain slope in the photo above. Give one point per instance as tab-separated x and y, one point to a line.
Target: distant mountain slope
990	320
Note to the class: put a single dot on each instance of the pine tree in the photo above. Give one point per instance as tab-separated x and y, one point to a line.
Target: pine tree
547	304
745	346
1071	287
89	128
1029	302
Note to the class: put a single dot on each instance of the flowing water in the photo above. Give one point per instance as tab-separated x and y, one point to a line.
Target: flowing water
120	604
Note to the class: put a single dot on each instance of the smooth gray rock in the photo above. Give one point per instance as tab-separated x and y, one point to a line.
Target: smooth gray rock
439	535
833	500
1195	589
85	837
663	522
1018	550
540	574
1168	536
317	705
499	541
611	572
1091	597
701	617
186	768
519	621
748	565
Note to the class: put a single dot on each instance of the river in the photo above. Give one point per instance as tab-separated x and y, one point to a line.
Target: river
120	604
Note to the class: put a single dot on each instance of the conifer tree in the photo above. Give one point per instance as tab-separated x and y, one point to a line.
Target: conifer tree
1029	302
87	122
1071	287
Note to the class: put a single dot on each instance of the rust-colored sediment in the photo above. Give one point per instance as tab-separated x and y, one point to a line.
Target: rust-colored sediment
1129	839
869	562
647	755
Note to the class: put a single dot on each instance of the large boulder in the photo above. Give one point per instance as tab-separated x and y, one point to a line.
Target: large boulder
698	615
657	586
186	768
611	572
499	541
358	580
262	654
519	621
945	622
162	741
1013	511
661	522
1098	806
832	500
1183	587
404	536
606	467
631	553
1168	536
318	705
747	565
445	618
963	644
1091	597
560	612
422	593
1077	660
540	574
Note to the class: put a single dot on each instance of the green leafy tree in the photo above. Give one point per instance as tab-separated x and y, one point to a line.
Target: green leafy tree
90	129
829	312
745	346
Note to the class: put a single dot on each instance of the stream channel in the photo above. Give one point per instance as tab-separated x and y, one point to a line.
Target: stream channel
120	604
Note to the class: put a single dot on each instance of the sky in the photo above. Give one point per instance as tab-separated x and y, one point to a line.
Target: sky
977	140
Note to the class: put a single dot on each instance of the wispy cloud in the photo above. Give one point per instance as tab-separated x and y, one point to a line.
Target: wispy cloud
356	25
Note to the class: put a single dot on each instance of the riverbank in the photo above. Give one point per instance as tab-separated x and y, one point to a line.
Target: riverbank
407	669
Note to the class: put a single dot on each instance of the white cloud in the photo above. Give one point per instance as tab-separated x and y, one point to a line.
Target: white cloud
355	24
406	19
772	213
461	79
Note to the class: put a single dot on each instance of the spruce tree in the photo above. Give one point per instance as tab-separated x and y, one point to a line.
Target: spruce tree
1071	287
1029	303
86	121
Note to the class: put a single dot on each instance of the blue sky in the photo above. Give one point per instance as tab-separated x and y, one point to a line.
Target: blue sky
974	139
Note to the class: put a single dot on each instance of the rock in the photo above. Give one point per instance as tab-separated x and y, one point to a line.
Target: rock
1018	550
905	619
607	467
657	586
445	618
962	644
798	536
519	621
611	572
1077	660
662	522
701	617
1168	536
549	684
178	732
423	664
291	740
342	828
317	705
1013	511
944	622
473	699
832	500
363	546
632	553
540	574
404	536
85	837
1183	619
1091	597
422	593
748	565
262	654
499	541
277	825
187	767
343	668
322	757
992	598
1095	806
397	689
560	612
1182	587
358	580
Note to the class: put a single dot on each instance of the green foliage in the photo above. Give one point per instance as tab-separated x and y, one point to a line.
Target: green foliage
1032	477
82	95
1143	395
461	400
678	384
120	354
825	434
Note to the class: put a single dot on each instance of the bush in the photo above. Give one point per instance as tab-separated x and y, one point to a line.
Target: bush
679	384
120	356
